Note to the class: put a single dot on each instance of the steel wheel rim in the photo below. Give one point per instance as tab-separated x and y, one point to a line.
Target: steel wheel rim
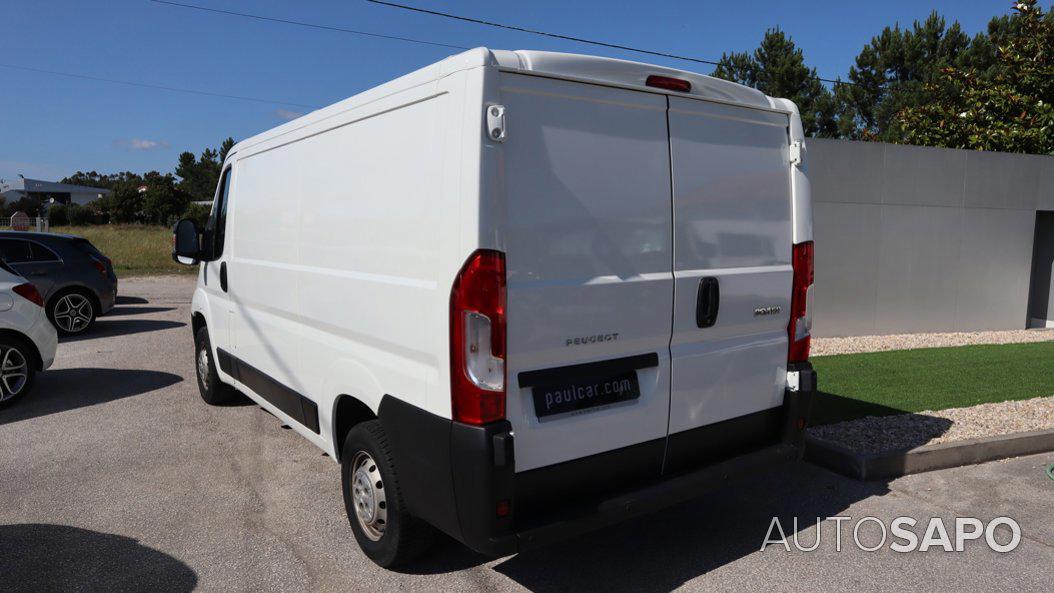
73	313
203	368
368	496
14	373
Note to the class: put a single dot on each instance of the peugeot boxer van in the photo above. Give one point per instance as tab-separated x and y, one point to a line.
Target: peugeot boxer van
517	294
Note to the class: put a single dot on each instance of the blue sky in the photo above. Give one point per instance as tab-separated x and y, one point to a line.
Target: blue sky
51	126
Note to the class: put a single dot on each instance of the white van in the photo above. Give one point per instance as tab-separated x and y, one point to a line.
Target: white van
517	295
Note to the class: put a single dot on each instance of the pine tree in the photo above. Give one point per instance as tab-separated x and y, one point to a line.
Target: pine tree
1008	106
892	71
777	68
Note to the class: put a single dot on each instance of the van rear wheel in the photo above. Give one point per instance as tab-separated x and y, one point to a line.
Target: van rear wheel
212	390
387	533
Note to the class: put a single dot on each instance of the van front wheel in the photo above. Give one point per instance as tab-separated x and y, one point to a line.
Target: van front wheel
212	390
387	533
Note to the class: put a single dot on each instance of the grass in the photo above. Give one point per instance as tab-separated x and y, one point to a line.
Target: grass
882	383
136	250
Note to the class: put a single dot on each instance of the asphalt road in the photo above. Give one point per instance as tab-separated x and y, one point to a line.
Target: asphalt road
115	476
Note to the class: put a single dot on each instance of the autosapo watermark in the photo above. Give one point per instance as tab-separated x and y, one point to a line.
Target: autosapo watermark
900	535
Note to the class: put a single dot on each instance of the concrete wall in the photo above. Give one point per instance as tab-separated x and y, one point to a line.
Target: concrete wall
914	239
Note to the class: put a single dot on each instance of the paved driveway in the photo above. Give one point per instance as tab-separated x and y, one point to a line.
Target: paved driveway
114	476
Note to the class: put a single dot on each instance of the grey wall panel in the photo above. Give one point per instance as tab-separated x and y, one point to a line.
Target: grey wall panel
934	239
995	261
923	176
918	248
842	171
1001	180
1045	187
986	181
1024	191
847	239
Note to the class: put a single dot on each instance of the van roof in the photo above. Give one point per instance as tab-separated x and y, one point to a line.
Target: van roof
586	68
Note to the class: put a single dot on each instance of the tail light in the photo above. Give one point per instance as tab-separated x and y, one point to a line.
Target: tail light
477	339
30	293
801	315
98	265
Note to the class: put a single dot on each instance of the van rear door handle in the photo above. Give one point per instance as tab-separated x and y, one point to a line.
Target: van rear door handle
223	276
707	302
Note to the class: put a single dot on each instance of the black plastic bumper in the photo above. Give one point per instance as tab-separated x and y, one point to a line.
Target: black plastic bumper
462	478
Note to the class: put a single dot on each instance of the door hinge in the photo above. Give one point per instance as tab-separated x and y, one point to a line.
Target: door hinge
496	123
796	152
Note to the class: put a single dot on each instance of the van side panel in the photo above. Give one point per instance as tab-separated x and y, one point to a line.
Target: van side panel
732	214
369	267
589	254
265	242
338	275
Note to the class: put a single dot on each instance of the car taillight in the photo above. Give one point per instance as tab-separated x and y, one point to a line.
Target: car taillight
98	265
30	293
801	316
477	339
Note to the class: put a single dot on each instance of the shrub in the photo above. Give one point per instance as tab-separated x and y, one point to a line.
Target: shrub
199	213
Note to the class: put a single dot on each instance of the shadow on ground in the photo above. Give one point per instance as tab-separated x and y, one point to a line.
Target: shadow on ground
106	328
660	552
123	310
67	389
40	557
131	300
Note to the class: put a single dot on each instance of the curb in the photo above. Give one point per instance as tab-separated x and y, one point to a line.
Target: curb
927	457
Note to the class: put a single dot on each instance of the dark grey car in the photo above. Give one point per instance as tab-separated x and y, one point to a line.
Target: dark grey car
76	280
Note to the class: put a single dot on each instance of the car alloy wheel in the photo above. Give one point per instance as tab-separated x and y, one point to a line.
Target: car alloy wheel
73	313
367	493
14	373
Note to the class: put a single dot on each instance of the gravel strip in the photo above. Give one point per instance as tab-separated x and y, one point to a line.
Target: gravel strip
857	344
877	434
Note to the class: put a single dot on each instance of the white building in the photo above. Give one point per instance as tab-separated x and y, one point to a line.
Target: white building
16	189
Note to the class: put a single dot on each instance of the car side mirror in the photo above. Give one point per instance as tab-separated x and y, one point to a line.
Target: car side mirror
186	242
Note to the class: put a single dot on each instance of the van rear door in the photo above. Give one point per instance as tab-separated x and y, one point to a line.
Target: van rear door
732	269
590	283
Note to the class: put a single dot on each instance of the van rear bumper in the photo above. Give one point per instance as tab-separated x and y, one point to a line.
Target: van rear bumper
462	479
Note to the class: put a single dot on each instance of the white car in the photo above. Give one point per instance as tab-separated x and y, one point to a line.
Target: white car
27	339
517	295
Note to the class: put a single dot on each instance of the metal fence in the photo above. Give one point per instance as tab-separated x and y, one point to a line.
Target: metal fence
24	223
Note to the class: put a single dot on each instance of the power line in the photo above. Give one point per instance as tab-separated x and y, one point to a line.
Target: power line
559	36
311	25
152	86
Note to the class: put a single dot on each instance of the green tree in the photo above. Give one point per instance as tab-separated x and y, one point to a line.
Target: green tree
225	148
777	68
198	176
162	200
893	72
1006	107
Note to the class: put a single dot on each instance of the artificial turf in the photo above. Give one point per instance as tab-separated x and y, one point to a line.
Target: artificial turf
881	383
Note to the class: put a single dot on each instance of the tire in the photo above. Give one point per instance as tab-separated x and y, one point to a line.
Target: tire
16	357
72	312
366	463
212	390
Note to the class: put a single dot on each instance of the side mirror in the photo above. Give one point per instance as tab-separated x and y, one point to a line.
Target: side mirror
186	242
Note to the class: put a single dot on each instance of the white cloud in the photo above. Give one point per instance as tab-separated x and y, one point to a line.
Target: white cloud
140	144
286	114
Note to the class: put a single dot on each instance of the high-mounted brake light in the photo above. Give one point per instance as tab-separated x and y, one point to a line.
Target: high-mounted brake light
477	339
669	83
30	293
801	293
